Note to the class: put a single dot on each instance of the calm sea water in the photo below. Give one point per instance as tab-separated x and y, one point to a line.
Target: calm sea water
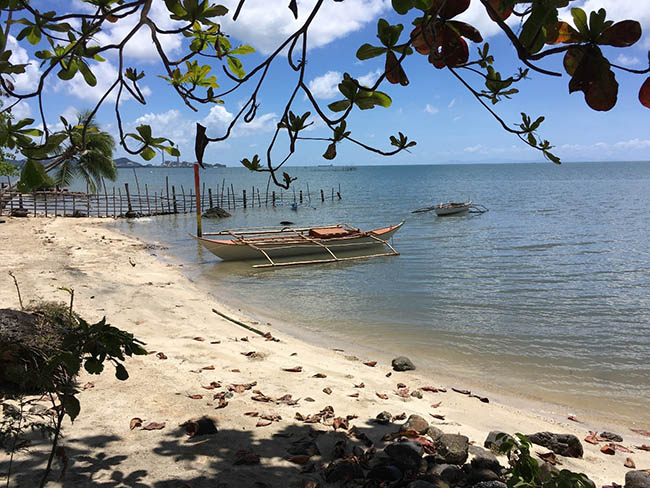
546	296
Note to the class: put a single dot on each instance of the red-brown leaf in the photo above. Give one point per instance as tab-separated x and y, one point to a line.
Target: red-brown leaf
592	438
642	432
621	34
503	9
403	392
154	426
195	397
161	355
394	72
263	423
644	93
437	416
299	459
629	463
320	375
222	403
135	422
89	385
467	30
643	447
436	405
383	396
448	9
360	385
462	392
561	32
400	385
573	419
608	449
372	364
212	386
251	414
199	339
401	416
295	369
208	368
327	390
340	423
549	457
432	389
354	395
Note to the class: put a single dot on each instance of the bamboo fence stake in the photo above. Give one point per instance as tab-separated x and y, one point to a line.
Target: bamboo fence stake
274	198
174	197
146	190
244	198
308	194
34	202
56	203
137	185
300	196
210	197
87	201
228	189
45	200
114	212
119	192
294	194
322	195
105	195
339	193
183	192
191	200
202	196
223	184
128	199
332	193
167	186
259	200
74	207
232	192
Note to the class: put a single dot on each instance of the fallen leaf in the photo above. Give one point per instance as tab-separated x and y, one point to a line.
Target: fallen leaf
360	385
592	438
404	393
246	456
383	396
89	385
286	399
437	416
338	350
339	423
222	403
642	432
354	395
215	342
389	374
247	354
401	416
208	368
432	389
234	371
261	398
295	369
327	390
436	405
272	418
212	386
154	426
643	447
400	385
161	355
251	414
135	422
263	423
199	339
572	418
132	262
621	448
320	375
372	364
300	459
629	463
245	339
462	392
549	457
293	354
608	449
481	399
195	397
242	387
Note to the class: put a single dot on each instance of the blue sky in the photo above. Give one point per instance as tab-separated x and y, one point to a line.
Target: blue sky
435	110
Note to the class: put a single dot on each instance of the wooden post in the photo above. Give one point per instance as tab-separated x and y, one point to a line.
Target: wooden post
259	200
294	195
339	192
210	197
119	191
174	198
56	203
74	206
322	195
87	201
191	200
34	202
146	190
228	189
128	198
155	202
137	185
183	192
232	192
244	198
308	194
332	193
167	186
199	208
45	200
105	195
300	196
274	198
281	197
223	185
202	196
114	212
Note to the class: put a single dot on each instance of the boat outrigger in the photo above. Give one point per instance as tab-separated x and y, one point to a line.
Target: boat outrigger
271	244
454	208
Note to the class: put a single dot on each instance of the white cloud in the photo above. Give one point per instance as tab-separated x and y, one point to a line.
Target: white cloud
325	86
451	104
477	16
633	144
627	60
369	79
21	110
473	149
430	109
266	24
28	81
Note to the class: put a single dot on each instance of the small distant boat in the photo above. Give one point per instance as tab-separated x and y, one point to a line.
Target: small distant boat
271	244
452	208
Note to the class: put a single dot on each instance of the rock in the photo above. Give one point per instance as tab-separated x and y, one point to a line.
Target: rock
435	468
479	453
333	445
407	455
495	439
416	423
343	470
637	479
79	214
131	214
385	473
452	448
434	433
480	463
547	470
19	212
490	484
563	444
452	475
305	446
383	417
611	436
402	363
427	484
215	213
479	475
416	394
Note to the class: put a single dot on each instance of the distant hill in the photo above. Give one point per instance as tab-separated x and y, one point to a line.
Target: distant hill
126	163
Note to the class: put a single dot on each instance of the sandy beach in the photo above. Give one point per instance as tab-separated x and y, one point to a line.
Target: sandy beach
192	347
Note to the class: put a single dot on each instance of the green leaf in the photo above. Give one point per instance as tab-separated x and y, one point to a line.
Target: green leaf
71	406
253	165
339	106
93	366
121	373
148	153
403	6
245	49
368	51
369	99
236	67
87	74
330	153
580	20
145	132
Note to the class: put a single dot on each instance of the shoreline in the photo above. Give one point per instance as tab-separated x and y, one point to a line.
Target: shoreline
164	308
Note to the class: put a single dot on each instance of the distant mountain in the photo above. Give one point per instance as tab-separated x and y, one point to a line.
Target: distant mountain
126	163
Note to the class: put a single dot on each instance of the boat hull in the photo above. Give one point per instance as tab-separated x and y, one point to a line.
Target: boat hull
233	250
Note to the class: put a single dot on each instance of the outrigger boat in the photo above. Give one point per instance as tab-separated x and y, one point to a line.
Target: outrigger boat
453	208
271	244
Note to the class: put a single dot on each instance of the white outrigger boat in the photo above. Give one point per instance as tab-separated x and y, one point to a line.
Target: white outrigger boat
454	208
271	244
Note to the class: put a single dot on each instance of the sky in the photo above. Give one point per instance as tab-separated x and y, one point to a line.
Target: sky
435	110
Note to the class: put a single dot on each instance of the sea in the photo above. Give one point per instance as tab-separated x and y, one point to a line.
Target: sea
544	298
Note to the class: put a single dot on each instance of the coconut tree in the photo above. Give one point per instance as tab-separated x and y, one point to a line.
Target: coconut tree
88	156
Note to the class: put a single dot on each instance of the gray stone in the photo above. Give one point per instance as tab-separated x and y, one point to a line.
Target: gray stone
407	455
434	433
416	423
563	444
416	394
611	436
547	470
478	475
637	479
480	463
402	363
19	212
427	484
452	475
452	448
490	484
479	453
495	439
383	417
343	470
215	213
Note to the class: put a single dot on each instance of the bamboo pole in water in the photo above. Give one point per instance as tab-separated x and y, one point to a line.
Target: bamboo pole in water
228	189
210	197
167	186
202	196
232	192
174	197
183	192
128	199
146	189
259	200
137	185
105	195
114	212
322	195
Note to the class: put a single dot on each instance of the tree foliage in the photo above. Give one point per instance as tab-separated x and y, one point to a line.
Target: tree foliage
67	47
